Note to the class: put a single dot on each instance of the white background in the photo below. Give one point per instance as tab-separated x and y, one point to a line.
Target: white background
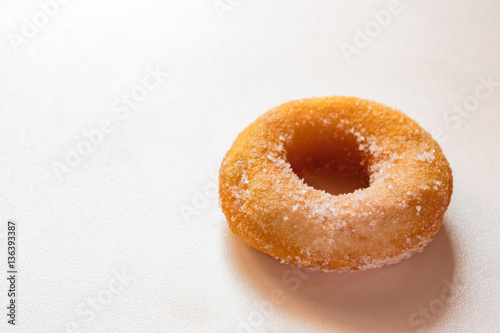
131	238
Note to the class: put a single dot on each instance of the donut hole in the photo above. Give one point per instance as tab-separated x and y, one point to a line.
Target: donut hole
330	163
333	182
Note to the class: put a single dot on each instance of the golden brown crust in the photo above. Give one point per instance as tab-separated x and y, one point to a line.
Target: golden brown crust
271	208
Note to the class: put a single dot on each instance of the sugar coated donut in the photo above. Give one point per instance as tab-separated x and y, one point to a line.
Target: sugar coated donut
407	184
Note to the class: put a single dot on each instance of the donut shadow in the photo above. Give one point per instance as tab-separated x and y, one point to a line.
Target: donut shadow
404	297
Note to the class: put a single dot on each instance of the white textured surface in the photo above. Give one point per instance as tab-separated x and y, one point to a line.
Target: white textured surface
142	206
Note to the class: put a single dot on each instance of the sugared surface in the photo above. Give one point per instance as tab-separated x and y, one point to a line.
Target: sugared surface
274	211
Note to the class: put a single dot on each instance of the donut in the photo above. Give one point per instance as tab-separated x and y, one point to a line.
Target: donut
407	184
